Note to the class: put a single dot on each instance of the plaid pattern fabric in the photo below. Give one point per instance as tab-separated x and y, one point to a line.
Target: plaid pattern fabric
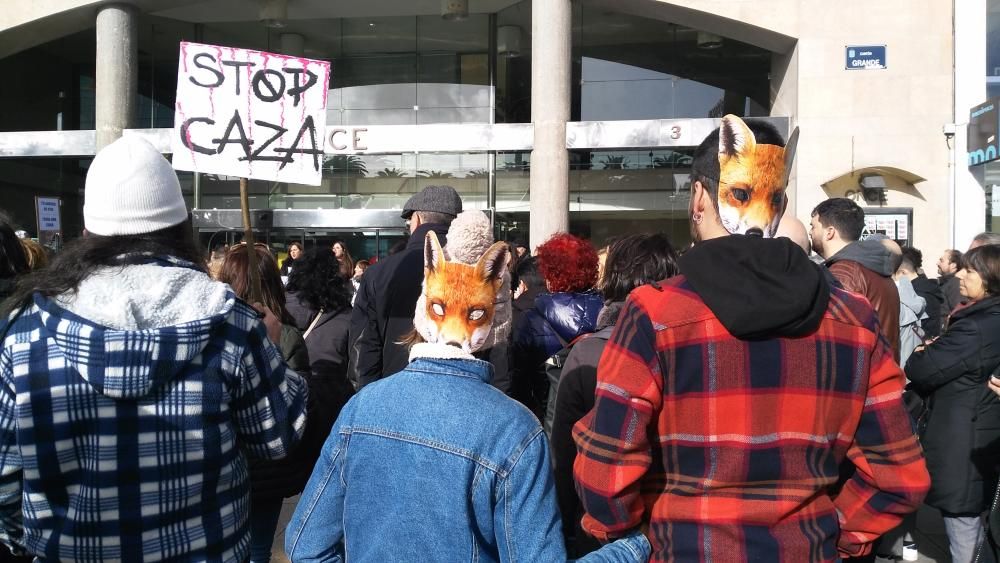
125	445
730	449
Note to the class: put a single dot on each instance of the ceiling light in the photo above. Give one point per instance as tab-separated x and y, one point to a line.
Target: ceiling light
273	13
708	40
454	9
509	40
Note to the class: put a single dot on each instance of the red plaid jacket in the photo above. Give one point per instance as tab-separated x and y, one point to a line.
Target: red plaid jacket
730	449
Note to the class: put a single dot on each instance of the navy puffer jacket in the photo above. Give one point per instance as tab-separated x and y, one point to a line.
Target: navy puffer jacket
556	320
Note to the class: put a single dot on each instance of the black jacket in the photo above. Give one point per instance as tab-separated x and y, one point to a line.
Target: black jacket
287	265
929	290
383	310
574	399
961	438
329	390
328	340
952	295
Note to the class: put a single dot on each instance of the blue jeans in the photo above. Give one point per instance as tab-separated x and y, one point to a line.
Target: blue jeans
264	516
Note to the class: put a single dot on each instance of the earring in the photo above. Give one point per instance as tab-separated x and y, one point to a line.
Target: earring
697	217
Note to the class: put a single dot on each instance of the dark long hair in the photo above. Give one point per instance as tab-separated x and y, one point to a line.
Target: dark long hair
85	255
235	271
13	261
636	260
317	282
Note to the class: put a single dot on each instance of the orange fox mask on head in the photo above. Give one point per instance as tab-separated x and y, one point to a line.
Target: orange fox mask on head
459	300
752	178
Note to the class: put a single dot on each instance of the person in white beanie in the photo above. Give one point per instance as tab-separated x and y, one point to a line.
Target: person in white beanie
131	384
434	463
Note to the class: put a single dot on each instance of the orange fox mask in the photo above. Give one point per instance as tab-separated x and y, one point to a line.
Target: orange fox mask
752	178
458	303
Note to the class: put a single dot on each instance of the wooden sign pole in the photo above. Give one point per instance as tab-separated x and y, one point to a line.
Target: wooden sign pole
256	295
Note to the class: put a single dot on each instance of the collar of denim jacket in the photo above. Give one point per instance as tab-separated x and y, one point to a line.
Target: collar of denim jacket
435	360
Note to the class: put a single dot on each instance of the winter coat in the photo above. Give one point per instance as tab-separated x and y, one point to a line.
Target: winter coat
929	290
287	265
555	321
911	310
140	395
865	267
961	438
328	339
726	401
383	310
574	399
434	464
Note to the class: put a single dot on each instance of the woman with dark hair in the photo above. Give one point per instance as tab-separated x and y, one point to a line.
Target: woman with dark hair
270	481
960	431
295	252
319	301
632	261
142	385
568	265
343	255
13	261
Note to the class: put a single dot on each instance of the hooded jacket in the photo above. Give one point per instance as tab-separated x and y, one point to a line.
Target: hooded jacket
728	397
125	409
556	320
865	268
911	311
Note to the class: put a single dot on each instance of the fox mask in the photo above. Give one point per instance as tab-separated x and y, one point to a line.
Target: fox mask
752	178
459	300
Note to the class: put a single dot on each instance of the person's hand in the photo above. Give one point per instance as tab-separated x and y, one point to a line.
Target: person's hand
271	322
994	384
920	348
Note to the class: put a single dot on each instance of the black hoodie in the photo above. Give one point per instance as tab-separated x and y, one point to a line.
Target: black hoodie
758	288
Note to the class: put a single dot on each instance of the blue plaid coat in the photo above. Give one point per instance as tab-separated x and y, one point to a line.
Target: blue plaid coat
125	445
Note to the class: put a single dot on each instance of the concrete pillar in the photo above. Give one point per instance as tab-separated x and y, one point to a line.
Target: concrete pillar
550	106
117	71
967	199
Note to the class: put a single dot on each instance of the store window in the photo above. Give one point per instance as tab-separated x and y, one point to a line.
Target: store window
663	70
993	49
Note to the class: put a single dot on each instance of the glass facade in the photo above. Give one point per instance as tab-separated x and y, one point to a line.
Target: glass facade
420	69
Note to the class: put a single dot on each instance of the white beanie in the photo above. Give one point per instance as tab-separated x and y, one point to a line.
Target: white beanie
131	189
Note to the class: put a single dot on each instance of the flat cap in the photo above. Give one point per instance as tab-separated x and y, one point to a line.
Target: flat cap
440	199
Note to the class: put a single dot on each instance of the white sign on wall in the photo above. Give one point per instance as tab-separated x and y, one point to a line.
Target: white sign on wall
250	114
47	211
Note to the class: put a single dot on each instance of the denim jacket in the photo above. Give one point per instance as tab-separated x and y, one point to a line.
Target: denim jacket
435	464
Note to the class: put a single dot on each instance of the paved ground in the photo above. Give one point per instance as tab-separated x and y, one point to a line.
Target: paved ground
931	540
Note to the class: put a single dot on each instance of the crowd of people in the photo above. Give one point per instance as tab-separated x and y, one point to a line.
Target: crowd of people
771	392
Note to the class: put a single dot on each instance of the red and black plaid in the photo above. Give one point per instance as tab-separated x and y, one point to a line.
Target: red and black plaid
730	450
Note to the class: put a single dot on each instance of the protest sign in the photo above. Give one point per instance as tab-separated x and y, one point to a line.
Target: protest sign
250	114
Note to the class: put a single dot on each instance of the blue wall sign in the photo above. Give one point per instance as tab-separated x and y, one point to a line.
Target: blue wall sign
984	125
865	57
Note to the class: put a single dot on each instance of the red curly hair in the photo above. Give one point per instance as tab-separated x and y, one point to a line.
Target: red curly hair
567	263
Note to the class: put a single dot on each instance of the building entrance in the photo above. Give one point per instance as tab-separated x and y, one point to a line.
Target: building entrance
367	235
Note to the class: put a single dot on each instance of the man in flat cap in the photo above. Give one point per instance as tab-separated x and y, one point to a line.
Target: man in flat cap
383	309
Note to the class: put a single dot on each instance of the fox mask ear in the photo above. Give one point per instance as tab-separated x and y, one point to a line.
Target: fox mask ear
494	262
433	253
735	138
790	146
